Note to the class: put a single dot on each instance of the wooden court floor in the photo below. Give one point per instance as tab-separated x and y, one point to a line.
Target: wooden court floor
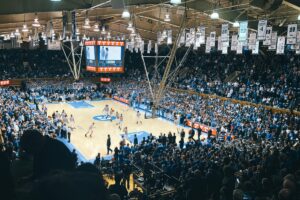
89	147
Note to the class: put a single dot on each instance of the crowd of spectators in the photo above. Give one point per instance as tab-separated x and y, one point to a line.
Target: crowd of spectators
261	162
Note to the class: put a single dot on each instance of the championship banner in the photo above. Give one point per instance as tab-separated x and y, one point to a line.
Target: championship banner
207	46
261	29
187	39
192	35
280	45
169	36
224	33
142	46
65	23
239	49
197	42
182	38
267	41
156	48
292	34
73	15
224	49
243	31
159	37
252	41
130	46
212	39
149	46
298	37
54	45
234	42
256	48
202	35
136	46
273	41
219	43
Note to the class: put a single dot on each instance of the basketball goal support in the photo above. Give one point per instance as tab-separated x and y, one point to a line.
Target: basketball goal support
163	83
73	53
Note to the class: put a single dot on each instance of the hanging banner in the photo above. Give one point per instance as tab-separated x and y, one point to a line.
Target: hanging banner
291	34
225	33
243	31
280	45
212	39
65	23
169	36
252	41
159	37
73	16
142	46
256	49
207	46
298	37
219	43
149	46
156	48
202	35
197	42
267	41
261	29
273	41
239	49
192	35
130	46
225	50
187	39
234	42
182	38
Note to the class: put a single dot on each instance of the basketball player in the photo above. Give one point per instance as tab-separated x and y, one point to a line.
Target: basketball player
106	111
118	118
111	113
90	130
72	122
125	130
120	121
139	119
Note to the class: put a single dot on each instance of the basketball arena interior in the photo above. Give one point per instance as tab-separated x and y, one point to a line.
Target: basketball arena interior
149	99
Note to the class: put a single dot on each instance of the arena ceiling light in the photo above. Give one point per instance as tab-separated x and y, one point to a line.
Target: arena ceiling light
299	17
214	15
167	17
96	27
126	14
130	26
25	28
36	22
108	35
86	24
103	31
236	24
17	33
175	1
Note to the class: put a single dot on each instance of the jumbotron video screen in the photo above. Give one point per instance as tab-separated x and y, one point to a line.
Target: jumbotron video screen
105	56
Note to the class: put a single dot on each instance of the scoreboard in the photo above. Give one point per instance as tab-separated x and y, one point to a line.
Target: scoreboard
105	56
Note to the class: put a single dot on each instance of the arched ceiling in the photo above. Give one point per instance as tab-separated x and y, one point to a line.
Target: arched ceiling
148	14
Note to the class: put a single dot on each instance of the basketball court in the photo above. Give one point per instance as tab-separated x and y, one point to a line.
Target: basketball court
87	112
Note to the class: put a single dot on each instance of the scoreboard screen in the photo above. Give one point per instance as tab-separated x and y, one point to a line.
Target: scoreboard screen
90	53
108	56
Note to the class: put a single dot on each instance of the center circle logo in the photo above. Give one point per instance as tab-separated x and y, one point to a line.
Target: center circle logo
104	118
